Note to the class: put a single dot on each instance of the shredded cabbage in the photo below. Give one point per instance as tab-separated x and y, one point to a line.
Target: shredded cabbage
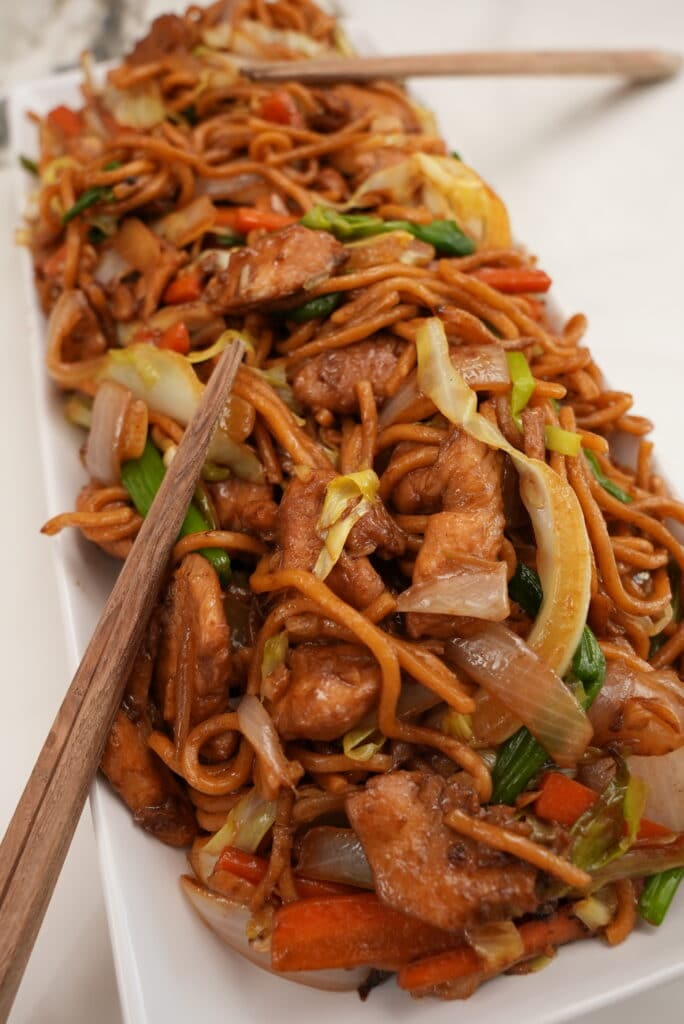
354	746
246	825
275	652
565	442
335	522
609	828
563	550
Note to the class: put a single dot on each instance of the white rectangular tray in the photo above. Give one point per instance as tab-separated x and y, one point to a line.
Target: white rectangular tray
169	966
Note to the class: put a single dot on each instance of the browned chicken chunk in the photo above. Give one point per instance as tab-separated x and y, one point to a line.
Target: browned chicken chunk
331	688
643	711
245	507
353	579
146	785
420	866
194	603
328	380
275	267
472	521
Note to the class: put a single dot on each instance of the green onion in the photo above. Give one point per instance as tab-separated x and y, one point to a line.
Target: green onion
521	756
323	305
455	155
565	442
229	239
213	473
606	483
142	479
96	235
91	196
658	894
28	164
522	384
445	235
113	165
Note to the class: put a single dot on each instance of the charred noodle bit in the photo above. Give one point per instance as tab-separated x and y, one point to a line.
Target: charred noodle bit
391	329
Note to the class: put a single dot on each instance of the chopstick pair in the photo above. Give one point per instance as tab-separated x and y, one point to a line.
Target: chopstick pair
638	65
40	832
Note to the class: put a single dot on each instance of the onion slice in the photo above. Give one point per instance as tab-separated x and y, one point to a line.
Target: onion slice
496	658
108	428
664	777
257	726
229	920
563	550
334	855
478	589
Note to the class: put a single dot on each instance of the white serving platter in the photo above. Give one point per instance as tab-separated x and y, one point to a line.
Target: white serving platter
169	966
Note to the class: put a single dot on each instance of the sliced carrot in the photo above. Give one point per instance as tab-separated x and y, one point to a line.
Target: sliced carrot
563	800
54	264
66	120
514	280
246	218
252	868
281	108
176	337
185	288
537	937
346	931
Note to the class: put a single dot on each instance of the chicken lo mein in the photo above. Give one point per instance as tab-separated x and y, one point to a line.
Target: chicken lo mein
411	696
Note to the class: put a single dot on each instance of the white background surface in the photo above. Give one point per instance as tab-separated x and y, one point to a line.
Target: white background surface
592	175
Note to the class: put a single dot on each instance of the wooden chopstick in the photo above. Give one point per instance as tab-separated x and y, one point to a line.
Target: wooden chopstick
40	832
640	65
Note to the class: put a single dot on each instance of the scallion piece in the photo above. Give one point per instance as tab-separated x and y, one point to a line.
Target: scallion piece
522	384
445	235
28	164
606	483
322	305
658	894
142	479
565	442
229	239
91	196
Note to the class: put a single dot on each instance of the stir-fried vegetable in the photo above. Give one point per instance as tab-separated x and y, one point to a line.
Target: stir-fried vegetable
565	800
91	196
497	943
445	235
521	757
275	653
321	306
565	442
658	894
606	483
336	855
142	479
563	549
476	589
362	743
599	835
247	823
166	382
449	189
522	384
337	519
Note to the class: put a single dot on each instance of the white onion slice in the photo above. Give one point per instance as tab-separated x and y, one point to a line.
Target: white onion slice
229	921
110	266
108	418
503	664
479	590
664	777
257	726
334	855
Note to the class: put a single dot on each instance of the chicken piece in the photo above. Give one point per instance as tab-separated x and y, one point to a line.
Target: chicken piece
245	507
392	247
421	867
376	531
168	34
353	579
469	475
331	688
146	785
328	380
641	711
194	603
277	266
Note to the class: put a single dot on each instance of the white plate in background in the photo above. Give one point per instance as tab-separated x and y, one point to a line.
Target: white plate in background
169	966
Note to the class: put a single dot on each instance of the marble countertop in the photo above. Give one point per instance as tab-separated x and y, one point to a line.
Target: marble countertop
593	183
